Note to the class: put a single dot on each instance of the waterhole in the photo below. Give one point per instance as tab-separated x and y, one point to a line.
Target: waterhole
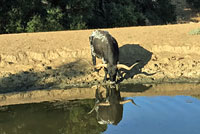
107	113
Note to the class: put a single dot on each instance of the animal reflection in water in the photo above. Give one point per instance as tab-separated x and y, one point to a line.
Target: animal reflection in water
109	109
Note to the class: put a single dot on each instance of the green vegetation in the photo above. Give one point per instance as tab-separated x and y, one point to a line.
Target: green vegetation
195	31
195	4
18	16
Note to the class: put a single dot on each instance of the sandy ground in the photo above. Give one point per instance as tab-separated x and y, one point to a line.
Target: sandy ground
62	60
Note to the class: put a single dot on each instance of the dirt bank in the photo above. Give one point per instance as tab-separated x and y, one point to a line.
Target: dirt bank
127	90
33	61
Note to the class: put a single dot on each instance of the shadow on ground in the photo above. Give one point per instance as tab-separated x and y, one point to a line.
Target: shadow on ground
131	54
65	75
32	80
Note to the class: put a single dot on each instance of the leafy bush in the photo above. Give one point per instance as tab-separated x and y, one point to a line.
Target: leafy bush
52	15
121	15
77	23
157	11
35	24
50	23
195	31
195	4
53	20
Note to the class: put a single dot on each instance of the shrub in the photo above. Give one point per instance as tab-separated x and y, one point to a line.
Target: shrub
35	25
51	15
195	4
195	31
157	11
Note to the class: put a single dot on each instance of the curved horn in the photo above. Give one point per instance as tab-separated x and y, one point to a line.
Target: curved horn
104	104
101	65
95	106
126	67
126	101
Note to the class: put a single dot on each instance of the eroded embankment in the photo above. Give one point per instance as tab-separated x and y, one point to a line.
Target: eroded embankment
62	59
127	90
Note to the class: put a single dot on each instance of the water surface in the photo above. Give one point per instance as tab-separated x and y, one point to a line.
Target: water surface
160	115
153	115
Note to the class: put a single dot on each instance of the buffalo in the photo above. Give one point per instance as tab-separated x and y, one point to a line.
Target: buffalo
104	46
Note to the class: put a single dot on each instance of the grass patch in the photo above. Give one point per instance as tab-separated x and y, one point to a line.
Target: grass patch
195	32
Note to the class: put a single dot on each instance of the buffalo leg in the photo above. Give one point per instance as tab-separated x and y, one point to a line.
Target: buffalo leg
94	60
106	73
105	70
94	63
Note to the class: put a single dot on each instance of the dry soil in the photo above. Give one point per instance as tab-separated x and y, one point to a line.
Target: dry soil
62	60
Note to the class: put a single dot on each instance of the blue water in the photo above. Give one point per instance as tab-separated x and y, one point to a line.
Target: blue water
153	115
160	115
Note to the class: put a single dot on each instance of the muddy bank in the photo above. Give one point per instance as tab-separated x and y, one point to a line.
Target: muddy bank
62	60
127	90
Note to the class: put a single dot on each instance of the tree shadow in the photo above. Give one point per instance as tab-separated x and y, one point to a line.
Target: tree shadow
37	80
131	54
